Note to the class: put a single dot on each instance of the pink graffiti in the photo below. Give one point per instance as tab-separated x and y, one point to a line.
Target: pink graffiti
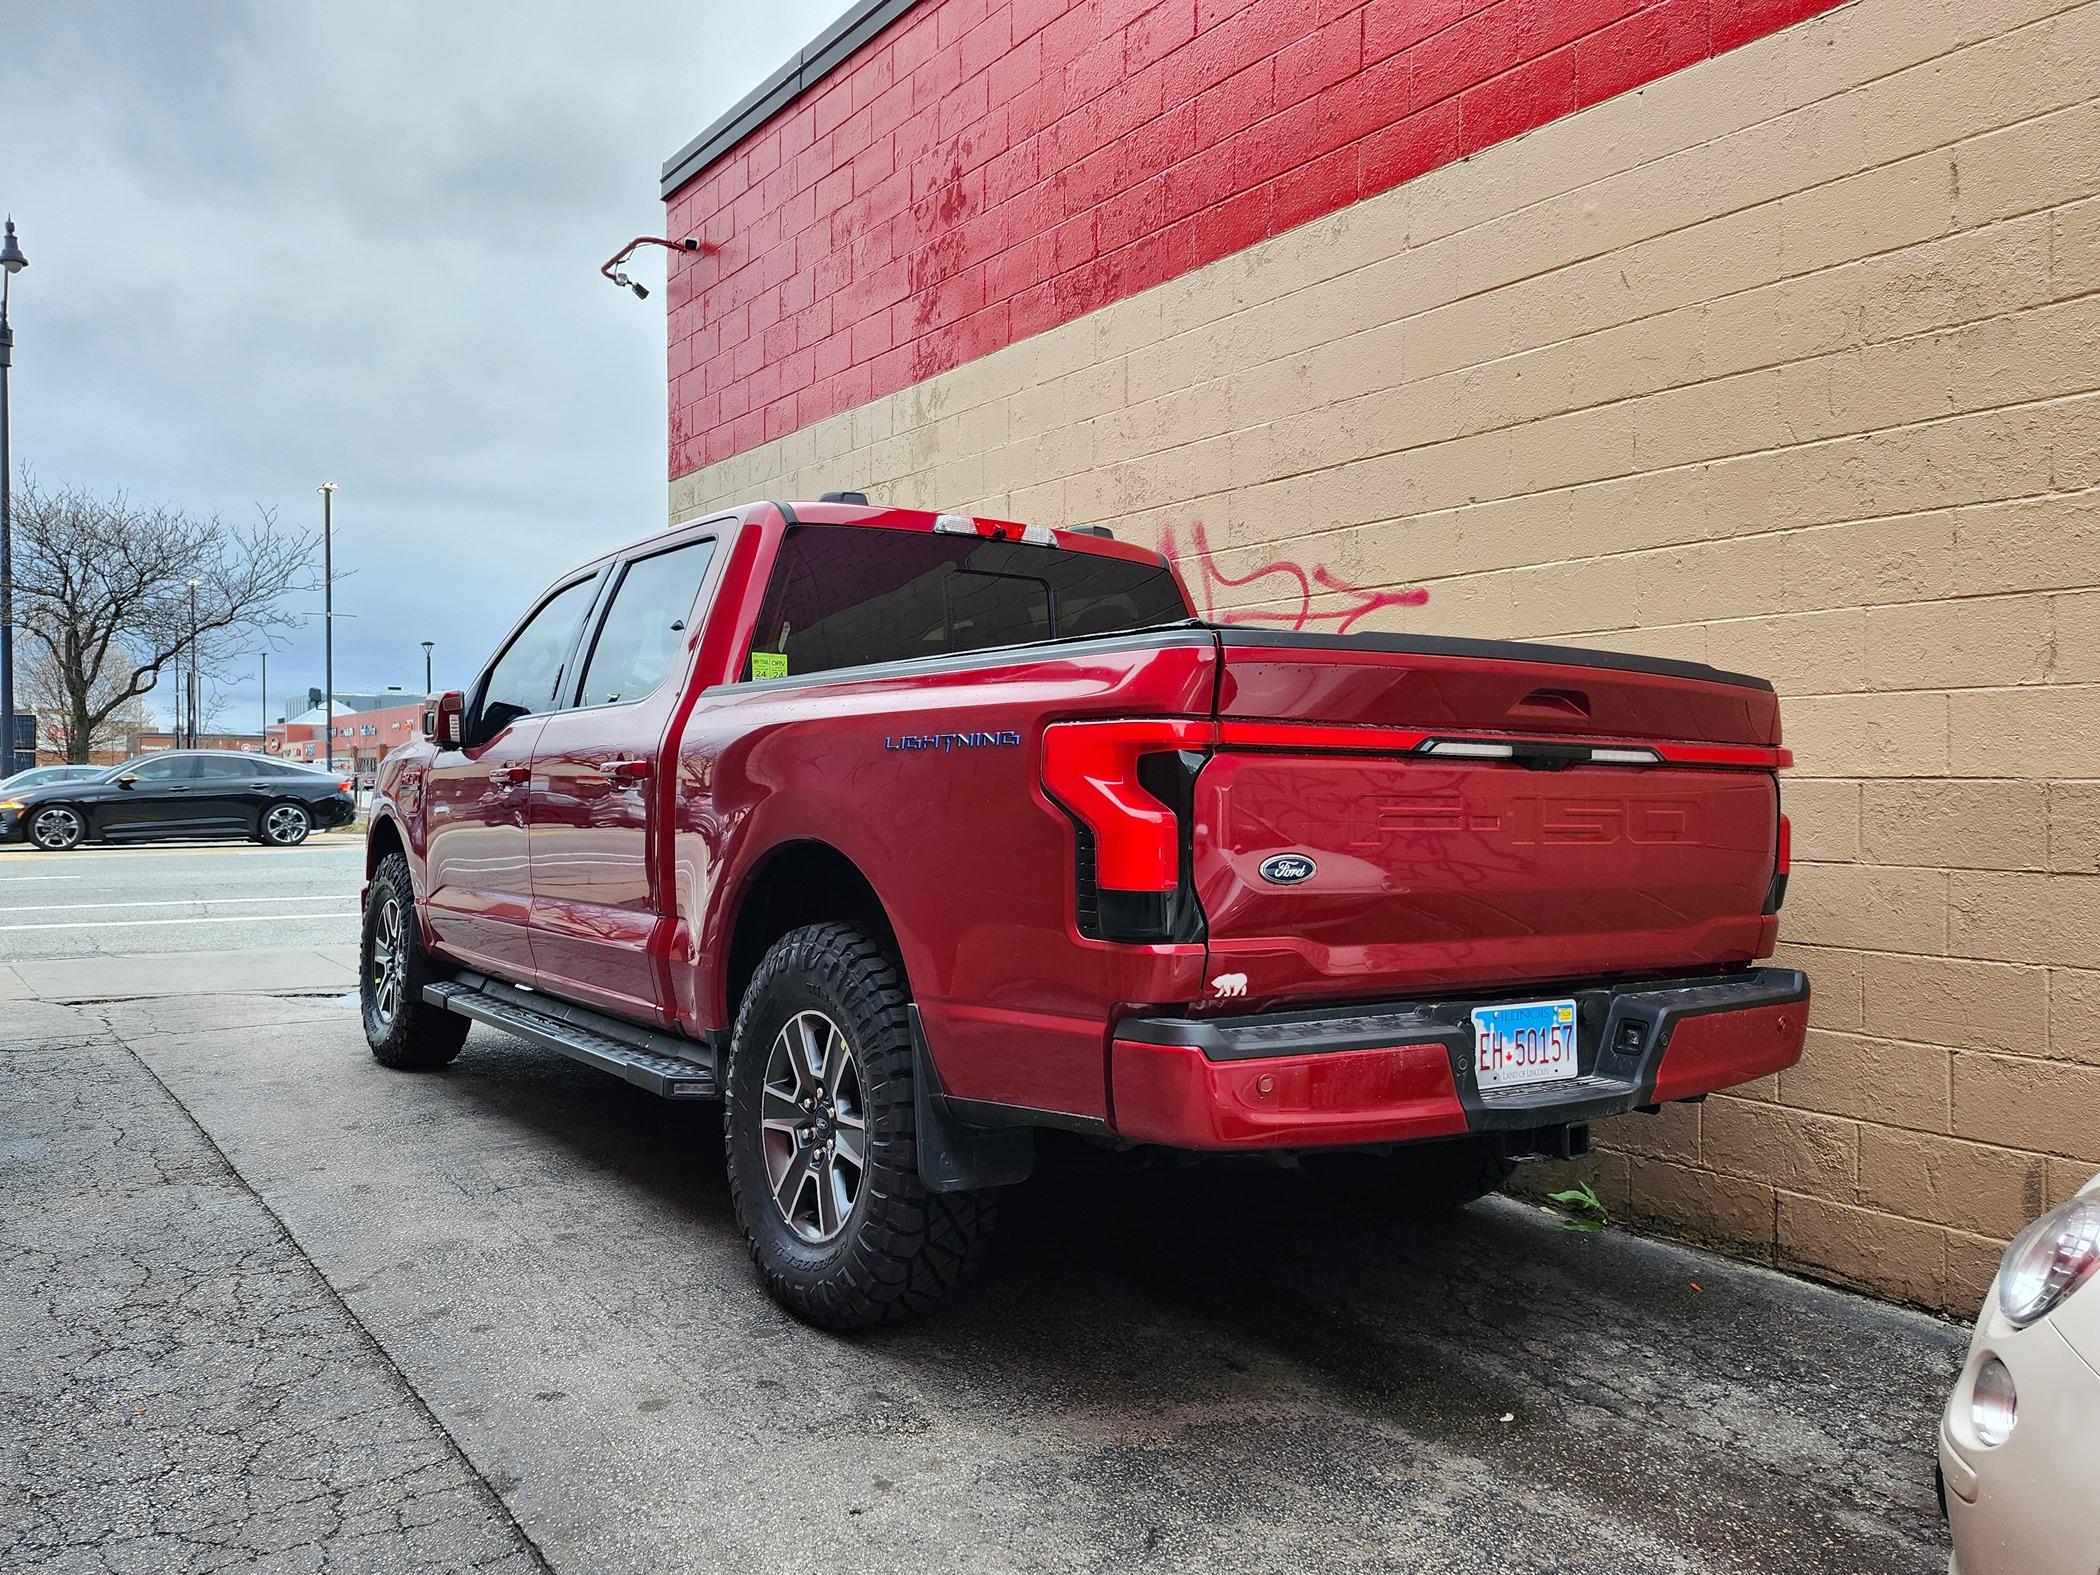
1205	580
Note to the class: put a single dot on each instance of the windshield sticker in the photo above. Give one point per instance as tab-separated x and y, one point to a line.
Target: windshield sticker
769	664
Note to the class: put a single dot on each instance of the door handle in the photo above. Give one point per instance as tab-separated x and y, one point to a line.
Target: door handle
511	776
627	770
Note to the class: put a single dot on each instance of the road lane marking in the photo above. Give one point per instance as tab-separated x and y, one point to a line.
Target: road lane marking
107	851
4	878
177	902
133	924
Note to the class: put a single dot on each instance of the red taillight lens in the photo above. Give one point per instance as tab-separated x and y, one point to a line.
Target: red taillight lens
1782	866
1093	770
343	786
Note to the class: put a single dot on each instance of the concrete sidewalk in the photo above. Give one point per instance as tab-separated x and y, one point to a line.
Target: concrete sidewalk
304	970
180	1390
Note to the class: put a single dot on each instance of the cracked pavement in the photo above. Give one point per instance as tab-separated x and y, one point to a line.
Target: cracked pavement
499	1313
179	1390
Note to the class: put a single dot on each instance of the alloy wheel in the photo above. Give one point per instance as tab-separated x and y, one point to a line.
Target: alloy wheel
56	829
813	1127
389	960
285	824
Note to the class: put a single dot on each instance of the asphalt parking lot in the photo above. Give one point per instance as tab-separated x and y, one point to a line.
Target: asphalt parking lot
275	1308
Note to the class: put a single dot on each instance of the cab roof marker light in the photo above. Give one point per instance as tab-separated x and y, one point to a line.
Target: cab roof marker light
1625	757
994	530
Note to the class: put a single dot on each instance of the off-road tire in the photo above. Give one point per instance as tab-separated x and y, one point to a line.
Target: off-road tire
415	1036
297	825
1413	1181
77	833
900	1247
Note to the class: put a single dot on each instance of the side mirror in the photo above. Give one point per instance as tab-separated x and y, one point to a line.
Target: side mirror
128	779
444	719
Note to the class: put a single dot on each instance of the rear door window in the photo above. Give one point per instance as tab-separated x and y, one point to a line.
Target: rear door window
849	596
644	629
224	768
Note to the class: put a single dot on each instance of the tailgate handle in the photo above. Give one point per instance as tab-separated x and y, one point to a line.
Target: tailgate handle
1553	703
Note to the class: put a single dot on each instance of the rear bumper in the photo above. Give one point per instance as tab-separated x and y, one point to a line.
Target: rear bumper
1405	1072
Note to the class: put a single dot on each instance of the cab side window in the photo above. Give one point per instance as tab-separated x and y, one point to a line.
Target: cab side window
527	677
645	628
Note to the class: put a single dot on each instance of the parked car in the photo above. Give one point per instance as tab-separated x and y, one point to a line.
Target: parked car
43	776
2020	1441
927	842
180	793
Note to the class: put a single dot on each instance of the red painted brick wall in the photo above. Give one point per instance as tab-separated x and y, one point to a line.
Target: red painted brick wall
986	169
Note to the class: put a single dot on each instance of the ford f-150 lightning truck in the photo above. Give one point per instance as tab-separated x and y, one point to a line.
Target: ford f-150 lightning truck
932	844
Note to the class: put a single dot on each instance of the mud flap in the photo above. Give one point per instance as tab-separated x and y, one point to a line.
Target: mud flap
955	1156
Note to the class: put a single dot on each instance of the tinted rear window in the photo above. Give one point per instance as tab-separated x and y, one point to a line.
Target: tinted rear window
846	596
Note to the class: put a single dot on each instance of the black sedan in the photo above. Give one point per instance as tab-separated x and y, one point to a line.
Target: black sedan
181	793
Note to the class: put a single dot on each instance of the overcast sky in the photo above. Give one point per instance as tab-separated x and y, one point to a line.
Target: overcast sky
281	243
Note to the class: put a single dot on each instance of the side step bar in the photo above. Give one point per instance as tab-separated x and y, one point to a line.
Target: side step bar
661	1063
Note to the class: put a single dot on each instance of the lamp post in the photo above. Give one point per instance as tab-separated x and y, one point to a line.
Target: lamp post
427	644
327	490
266	699
195	687
12	262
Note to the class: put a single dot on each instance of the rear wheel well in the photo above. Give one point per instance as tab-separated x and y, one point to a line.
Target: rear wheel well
798	884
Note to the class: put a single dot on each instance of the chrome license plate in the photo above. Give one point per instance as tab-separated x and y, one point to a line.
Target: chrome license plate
1514	1046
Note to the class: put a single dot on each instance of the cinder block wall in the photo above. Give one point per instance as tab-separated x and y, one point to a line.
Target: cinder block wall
1786	362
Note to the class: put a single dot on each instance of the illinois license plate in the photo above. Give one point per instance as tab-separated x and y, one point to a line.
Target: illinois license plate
1517	1045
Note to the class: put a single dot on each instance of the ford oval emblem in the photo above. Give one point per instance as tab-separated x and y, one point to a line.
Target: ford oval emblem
1288	869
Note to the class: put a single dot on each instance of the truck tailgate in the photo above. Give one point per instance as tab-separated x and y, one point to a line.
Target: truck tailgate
1385	817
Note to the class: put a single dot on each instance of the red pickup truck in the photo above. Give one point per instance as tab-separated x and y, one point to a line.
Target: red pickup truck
929	842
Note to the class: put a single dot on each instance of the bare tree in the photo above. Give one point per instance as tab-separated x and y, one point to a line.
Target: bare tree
43	691
102	587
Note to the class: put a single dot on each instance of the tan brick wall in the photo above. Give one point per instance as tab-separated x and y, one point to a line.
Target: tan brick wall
1787	362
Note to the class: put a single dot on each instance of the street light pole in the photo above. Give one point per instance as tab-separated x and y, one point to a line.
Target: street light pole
427	644
328	615
12	262
266	700
195	688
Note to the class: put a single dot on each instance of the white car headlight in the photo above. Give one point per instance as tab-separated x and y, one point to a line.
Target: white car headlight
2049	1260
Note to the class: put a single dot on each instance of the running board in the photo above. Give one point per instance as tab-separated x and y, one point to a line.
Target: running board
661	1063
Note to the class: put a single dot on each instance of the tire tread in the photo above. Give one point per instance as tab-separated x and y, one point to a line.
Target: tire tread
912	1246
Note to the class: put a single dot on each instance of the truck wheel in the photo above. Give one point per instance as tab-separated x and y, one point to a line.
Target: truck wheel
820	1126
1417	1180
404	1031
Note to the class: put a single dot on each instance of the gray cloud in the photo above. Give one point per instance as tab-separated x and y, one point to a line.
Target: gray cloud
281	243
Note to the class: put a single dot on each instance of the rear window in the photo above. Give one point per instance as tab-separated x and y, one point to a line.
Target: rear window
847	596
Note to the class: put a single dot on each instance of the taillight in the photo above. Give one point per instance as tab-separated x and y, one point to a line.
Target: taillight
1127	785
1782	867
343	786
